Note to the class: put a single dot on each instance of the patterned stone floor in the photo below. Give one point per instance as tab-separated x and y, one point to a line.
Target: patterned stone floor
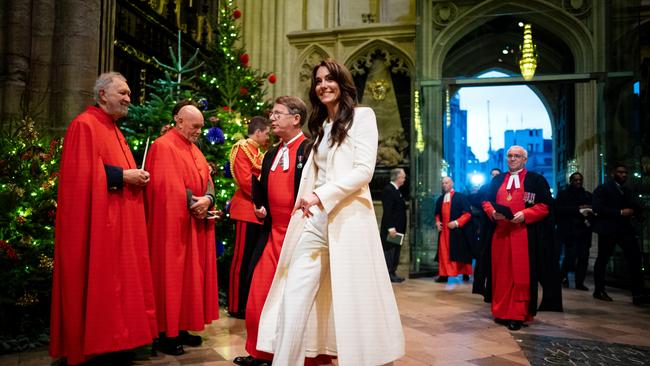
445	324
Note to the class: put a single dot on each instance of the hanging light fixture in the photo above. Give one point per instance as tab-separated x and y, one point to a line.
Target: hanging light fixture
528	51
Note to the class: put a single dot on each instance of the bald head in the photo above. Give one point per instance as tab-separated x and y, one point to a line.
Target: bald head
447	184
189	121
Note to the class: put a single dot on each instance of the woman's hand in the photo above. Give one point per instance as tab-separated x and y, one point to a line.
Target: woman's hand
305	202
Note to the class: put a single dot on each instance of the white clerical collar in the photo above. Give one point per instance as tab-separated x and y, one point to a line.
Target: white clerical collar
395	185
283	154
447	197
514	179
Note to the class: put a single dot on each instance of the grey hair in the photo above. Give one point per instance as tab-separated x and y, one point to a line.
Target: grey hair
519	147
394	173
104	80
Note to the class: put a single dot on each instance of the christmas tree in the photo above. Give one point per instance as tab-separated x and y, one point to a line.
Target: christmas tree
228	91
28	177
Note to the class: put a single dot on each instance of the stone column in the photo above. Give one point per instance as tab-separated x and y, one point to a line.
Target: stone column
40	84
76	57
587	133
17	46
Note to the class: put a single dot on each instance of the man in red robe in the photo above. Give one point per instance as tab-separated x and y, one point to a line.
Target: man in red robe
279	182
453	216
245	165
522	247
181	238
102	297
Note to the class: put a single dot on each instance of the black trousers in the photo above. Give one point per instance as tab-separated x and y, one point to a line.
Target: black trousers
391	253
576	255
632	253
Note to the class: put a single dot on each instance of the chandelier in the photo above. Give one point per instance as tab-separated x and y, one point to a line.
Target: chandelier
528	51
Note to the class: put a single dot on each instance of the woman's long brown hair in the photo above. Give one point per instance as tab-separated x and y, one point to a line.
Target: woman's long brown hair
347	101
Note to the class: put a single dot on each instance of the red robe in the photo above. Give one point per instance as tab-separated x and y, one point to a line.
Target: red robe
183	252
245	162
510	259
102	298
281	200
447	266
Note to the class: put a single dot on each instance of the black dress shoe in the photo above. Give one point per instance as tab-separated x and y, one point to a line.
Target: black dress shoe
441	279
465	278
501	321
514	325
602	295
170	346
238	314
188	339
582	287
396	279
250	361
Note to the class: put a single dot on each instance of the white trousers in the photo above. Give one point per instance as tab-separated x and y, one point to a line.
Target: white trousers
310	261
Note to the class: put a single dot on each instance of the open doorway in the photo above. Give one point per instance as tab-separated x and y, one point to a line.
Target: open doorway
483	122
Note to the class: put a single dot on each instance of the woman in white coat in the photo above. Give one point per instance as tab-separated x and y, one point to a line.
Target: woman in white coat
331	293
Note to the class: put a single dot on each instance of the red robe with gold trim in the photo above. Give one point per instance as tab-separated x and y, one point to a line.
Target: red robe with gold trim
102	298
245	163
183	252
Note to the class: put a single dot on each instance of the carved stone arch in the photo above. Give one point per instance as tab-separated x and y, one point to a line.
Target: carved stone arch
395	58
574	33
309	57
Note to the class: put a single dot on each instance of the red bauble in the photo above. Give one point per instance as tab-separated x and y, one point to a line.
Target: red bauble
226	108
243	90
236	14
244	58
272	79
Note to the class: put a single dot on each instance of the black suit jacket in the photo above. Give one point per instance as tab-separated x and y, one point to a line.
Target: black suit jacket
394	211
608	201
570	222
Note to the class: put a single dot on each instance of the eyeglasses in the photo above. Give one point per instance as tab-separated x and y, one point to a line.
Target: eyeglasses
514	156
276	114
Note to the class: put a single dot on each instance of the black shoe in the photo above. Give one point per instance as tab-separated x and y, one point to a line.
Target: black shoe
602	295
465	278
250	361
441	279
396	279
582	287
188	339
170	346
514	325
565	282
641	300
501	321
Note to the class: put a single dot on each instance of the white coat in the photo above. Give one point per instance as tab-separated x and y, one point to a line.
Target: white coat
355	315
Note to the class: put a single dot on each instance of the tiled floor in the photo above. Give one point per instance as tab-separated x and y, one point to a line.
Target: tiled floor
444	324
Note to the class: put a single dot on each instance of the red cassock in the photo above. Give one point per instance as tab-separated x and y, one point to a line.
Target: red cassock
510	260
102	298
447	266
182	247
281	200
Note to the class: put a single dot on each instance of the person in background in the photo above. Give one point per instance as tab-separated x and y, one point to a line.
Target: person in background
453	221
574	213
245	165
615	205
102	295
393	220
181	238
